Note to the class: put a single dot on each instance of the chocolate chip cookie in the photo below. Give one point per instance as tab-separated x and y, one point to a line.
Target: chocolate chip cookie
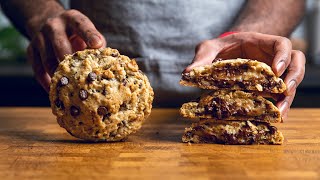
232	132
232	105
100	95
235	74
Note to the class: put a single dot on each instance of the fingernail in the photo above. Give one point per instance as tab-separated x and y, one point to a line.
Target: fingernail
283	107
280	67
94	41
291	86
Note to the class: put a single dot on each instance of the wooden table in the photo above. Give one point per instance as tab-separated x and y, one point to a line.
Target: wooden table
32	145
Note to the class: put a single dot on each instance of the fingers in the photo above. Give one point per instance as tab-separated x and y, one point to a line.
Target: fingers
205	53
47	56
295	72
81	25
40	74
284	105
282	49
55	32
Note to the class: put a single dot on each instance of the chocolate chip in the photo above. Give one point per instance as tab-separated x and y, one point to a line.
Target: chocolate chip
114	54
74	111
83	94
104	92
124	82
123	107
272	129
59	104
102	111
64	81
92	76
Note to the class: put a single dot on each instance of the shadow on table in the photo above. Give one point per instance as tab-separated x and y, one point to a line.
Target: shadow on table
169	130
33	136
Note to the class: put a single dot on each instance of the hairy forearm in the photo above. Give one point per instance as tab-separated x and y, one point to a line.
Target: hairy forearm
29	15
270	16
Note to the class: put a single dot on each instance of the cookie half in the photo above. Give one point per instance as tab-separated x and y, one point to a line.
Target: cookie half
235	74
232	132
100	95
232	105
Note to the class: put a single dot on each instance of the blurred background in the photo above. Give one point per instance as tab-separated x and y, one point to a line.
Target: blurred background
19	88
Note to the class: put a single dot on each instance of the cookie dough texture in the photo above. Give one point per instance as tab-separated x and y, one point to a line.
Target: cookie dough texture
232	132
232	105
100	95
234	74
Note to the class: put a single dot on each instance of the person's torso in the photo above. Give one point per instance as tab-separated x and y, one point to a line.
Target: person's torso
160	34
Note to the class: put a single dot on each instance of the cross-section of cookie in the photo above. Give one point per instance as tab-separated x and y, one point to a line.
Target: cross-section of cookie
232	132
90	99
236	74
232	105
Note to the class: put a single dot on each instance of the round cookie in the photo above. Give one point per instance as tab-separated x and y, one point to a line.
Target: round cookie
100	95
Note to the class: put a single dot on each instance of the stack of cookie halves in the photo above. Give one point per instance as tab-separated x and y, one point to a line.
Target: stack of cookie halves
235	111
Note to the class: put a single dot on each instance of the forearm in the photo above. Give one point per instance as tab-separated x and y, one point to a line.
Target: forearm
270	16
29	15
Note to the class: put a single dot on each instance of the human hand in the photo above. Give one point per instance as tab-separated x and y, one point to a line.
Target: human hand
276	51
63	34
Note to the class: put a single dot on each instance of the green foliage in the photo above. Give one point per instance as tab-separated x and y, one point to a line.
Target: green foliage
12	46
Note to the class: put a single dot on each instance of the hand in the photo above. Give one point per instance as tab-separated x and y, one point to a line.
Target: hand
275	51
66	33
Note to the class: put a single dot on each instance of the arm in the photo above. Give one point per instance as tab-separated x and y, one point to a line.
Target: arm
53	32
29	16
270	17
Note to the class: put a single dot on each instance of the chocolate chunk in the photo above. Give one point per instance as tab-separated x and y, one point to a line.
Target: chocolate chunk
244	67
272	129
186	77
123	107
64	81
219	109
114	54
59	104
102	110
83	94
92	76
124	82
104	92
74	111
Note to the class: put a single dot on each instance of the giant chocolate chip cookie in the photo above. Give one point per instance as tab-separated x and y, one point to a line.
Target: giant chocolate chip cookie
100	95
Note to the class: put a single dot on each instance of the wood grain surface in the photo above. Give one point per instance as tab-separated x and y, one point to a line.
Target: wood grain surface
33	146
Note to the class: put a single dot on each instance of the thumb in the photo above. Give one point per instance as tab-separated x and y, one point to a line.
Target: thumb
205	53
